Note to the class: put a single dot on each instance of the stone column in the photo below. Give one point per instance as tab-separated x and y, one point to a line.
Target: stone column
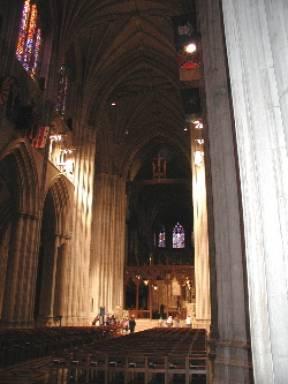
229	343
22	267
75	302
4	251
201	241
108	244
257	47
30	275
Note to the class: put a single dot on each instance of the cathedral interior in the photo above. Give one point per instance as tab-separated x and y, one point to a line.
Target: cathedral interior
144	175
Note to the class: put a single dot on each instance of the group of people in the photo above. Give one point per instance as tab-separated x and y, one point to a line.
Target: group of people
105	320
126	325
170	322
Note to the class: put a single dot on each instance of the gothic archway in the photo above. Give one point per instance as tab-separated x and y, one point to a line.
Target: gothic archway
159	197
52	254
8	209
19	203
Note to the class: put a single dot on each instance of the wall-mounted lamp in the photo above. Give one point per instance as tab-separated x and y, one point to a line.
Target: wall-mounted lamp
190	48
198	124
155	287
56	138
67	167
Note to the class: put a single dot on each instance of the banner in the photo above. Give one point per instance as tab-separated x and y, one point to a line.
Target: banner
39	141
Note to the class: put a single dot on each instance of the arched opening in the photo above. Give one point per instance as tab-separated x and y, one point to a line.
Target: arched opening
18	230
130	294
160	250
49	298
8	209
45	275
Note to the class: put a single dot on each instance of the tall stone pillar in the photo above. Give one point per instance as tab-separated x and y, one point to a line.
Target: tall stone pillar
201	241
18	297
229	342
257	47
75	303
4	252
108	243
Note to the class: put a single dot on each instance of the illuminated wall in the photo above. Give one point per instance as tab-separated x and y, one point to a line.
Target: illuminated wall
201	241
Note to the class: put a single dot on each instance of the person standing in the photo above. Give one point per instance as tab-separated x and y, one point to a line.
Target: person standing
188	321
169	321
125	325
132	324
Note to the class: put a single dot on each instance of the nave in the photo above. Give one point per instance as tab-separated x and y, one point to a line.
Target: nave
144	168
155	356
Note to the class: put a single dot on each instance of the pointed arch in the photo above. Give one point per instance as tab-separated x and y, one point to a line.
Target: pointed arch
138	149
55	236
19	161
61	196
19	214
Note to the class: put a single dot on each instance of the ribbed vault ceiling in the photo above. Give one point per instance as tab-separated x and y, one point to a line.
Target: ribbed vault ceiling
123	52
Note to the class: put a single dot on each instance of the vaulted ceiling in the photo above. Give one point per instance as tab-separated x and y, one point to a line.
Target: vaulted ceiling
122	55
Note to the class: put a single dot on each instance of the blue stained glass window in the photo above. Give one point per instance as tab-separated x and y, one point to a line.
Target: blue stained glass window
178	236
62	91
162	238
29	38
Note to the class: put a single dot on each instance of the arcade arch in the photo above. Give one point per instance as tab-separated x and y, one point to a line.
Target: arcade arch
54	245
19	207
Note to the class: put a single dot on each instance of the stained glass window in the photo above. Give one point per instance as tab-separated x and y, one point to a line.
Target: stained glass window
178	236
62	91
162	238
29	38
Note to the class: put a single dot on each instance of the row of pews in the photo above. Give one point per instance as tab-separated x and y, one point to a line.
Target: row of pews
156	356
17	345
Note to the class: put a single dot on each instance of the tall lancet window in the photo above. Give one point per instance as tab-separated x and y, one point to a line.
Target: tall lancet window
29	38
178	236
162	238
159	167
62	91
